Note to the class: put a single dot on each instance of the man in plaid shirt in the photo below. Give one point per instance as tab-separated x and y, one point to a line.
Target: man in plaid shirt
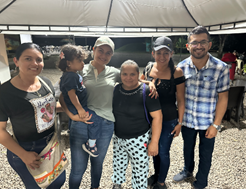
206	97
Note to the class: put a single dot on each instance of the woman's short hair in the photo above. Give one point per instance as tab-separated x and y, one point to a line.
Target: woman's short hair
129	62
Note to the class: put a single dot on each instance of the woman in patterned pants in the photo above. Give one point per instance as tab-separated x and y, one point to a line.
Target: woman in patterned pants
134	139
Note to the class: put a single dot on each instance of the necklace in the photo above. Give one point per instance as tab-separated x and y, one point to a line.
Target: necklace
129	94
39	95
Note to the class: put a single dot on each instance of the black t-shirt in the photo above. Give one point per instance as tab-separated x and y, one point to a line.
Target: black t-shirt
31	116
167	96
69	81
128	109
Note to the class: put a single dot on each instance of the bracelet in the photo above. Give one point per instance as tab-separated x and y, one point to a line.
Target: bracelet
179	123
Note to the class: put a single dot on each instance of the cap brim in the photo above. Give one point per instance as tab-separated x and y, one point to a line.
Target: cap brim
162	46
105	44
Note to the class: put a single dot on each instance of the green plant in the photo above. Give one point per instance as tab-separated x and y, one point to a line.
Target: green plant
180	44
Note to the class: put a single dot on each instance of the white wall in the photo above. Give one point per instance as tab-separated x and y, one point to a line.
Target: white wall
4	64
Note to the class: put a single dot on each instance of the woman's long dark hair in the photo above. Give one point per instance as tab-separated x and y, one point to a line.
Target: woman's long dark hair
25	46
172	68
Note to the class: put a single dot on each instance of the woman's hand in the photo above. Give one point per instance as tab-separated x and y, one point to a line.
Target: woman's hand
72	116
153	93
82	113
31	159
84	119
153	149
176	130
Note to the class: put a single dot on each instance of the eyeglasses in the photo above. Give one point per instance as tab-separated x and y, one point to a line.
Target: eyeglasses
195	43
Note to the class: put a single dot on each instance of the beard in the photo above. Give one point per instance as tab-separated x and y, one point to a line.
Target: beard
198	55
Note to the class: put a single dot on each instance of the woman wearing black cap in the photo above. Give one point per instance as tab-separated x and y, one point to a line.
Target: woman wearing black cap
169	82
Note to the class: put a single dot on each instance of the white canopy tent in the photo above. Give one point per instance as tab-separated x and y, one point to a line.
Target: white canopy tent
116	18
131	18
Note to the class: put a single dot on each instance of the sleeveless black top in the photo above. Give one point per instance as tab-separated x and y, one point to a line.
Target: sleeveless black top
167	97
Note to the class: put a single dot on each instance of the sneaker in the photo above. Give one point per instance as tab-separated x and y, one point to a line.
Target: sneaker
116	186
159	186
152	180
90	150
182	175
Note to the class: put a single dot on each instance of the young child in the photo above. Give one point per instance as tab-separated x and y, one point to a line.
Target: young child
75	94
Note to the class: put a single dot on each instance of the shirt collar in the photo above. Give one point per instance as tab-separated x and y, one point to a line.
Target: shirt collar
91	66
94	69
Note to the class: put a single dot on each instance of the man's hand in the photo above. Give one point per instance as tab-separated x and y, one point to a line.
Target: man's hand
211	132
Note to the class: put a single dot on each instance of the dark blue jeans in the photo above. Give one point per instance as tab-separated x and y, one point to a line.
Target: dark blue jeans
79	158
162	160
20	167
94	130
206	148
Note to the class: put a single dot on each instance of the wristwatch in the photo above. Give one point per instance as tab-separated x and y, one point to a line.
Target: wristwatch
218	127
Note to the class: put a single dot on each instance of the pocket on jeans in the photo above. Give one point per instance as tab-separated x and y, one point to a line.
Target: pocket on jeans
174	123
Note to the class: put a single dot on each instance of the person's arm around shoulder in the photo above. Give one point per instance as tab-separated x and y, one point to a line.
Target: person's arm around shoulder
220	110
156	132
71	115
31	159
180	95
153	92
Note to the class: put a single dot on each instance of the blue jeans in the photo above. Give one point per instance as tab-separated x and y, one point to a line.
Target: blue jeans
20	167
206	147
162	160
79	158
94	130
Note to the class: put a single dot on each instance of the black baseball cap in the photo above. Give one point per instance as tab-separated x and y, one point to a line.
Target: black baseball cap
163	42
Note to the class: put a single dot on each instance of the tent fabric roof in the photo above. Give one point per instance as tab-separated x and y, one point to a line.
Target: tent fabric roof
121	17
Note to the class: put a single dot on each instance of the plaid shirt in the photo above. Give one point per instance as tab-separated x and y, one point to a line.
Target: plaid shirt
201	91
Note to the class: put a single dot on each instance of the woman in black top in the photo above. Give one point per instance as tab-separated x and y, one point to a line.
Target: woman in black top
30	105
169	82
132	131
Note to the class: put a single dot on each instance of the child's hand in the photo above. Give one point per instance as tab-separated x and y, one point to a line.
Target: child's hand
82	113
